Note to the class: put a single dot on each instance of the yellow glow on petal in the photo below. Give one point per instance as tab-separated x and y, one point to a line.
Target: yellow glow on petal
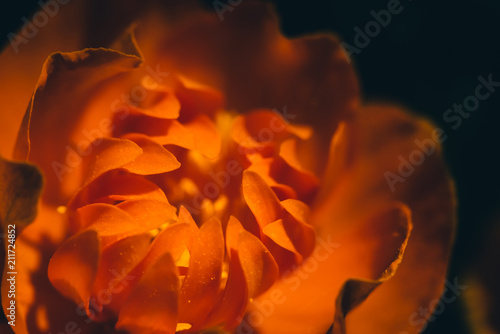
220	205
188	186
199	160
182	326
183	260
207	209
223	123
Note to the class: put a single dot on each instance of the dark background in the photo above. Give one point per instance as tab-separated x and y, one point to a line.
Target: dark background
427	58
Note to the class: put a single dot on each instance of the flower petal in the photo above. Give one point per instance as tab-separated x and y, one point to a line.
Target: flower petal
35	294
198	99
21	61
79	73
204	274
260	199
232	304
173	240
307	293
152	306
20	188
355	291
111	153
198	133
155	159
339	159
206	138
116	186
307	73
149	212
84	249
160	104
289	239
259	267
116	262
261	128
385	137
113	223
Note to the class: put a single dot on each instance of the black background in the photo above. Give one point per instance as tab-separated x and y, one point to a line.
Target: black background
427	58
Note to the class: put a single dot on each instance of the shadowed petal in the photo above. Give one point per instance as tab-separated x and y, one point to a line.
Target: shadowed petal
20	188
84	249
252	63
152	306
355	291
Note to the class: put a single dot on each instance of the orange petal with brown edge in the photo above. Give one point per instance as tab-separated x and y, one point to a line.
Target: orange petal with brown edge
83	249
155	159
204	274
63	117
152	306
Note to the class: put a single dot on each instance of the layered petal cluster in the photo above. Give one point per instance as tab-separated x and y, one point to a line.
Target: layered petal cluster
220	178
183	240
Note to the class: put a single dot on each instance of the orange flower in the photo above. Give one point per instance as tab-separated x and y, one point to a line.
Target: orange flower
191	184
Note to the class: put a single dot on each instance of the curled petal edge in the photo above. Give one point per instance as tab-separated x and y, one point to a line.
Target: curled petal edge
354	290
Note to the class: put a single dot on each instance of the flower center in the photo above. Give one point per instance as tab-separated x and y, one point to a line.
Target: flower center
225	195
